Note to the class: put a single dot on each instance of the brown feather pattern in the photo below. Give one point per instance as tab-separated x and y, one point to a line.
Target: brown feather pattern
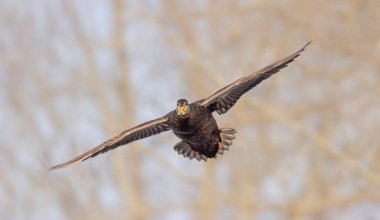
222	100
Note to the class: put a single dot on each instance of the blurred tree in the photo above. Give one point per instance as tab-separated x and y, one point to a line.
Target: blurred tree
73	73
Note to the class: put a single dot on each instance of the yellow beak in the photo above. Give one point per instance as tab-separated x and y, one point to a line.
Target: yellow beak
181	110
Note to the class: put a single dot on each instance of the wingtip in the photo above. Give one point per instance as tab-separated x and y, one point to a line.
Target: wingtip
63	165
56	167
298	53
51	169
307	44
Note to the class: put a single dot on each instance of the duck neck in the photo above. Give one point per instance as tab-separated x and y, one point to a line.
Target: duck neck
183	122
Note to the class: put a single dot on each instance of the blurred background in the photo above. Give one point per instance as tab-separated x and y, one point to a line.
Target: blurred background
75	73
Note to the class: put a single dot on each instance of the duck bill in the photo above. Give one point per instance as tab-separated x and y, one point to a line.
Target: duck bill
181	110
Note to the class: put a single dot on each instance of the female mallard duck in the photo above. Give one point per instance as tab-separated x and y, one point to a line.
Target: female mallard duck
193	123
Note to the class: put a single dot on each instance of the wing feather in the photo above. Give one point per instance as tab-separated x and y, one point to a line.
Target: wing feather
144	130
222	100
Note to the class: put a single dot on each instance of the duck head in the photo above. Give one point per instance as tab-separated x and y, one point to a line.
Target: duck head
183	108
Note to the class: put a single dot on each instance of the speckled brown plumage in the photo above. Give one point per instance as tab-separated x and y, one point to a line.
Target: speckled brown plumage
194	124
199	130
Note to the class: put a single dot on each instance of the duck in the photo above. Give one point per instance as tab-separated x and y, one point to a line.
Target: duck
194	123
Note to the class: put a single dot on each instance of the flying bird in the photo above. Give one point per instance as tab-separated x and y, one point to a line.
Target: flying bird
193	123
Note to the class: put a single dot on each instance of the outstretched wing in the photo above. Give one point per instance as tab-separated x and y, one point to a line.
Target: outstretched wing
224	99
141	131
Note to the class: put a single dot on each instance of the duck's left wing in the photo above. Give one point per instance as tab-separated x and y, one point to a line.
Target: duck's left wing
224	99
141	131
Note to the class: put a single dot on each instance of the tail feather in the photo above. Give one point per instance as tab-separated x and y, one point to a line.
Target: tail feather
186	151
224	147
227	135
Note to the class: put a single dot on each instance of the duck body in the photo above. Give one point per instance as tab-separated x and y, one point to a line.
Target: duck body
198	129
